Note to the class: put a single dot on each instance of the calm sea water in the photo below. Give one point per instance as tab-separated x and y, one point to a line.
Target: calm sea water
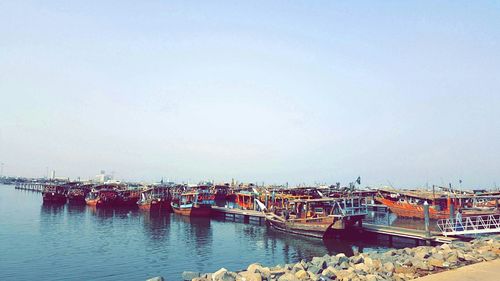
39	242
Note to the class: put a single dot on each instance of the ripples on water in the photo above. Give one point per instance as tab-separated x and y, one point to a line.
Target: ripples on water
81	243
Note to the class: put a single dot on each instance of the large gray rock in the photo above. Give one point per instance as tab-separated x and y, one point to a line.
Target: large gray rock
344	265
453	258
329	272
363	268
254	267
189	275
301	274
389	267
422	253
248	276
218	274
320	262
288	277
368	261
438	256
315	269
265	272
227	276
342	259
297	267
371	277
357	259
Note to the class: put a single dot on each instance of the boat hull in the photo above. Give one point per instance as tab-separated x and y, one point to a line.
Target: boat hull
403	209
54	198
320	229
194	211
100	203
76	199
154	205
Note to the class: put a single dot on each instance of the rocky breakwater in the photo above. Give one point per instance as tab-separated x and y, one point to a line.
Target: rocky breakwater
401	264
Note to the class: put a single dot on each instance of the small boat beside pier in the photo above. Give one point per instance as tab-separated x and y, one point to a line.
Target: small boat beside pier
77	192
196	203
102	198
155	199
441	204
55	194
320	218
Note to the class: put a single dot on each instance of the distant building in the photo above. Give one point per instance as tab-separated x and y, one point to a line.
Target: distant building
102	177
53	175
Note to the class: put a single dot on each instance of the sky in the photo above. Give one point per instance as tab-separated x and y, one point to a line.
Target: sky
401	93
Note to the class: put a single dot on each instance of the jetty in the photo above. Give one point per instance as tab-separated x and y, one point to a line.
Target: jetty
246	215
31	186
419	236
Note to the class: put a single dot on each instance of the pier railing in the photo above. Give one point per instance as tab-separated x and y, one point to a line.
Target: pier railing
470	225
352	206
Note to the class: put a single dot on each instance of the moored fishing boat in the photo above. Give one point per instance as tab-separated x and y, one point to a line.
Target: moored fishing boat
318	218
197	203
54	194
77	193
128	198
154	199
410	204
103	198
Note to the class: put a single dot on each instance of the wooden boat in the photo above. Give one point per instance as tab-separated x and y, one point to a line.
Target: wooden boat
245	199
195	204
319	218
128	198
103	198
282	198
54	194
221	192
77	193
154	199
410	204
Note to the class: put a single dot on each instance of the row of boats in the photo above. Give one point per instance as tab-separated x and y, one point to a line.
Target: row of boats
197	200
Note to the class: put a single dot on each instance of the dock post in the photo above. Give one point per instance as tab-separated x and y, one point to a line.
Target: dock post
426	220
246	219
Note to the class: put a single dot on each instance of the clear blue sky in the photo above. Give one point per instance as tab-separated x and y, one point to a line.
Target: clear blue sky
297	91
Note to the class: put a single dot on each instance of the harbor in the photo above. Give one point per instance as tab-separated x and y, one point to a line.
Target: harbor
333	215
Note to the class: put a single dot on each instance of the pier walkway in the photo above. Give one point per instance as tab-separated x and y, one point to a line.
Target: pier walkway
415	234
483	271
470	225
247	215
38	187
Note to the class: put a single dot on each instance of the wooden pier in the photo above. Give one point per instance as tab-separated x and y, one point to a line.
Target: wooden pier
37	187
246	215
414	234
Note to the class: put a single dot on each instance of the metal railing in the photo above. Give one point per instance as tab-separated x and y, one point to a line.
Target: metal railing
470	225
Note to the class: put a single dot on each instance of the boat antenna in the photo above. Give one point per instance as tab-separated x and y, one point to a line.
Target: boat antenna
390	184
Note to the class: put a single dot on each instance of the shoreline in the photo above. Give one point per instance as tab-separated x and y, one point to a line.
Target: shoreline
398	264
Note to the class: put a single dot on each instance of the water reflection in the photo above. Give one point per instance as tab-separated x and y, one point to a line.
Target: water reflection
73	208
52	209
156	225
